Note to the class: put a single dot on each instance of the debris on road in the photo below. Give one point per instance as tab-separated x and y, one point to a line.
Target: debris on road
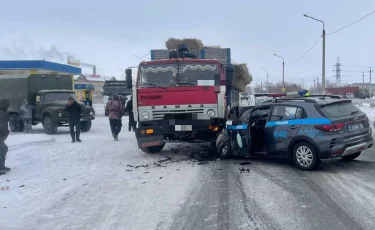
167	159
22	186
242	170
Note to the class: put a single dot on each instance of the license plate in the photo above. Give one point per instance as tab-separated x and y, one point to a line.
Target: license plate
183	128
355	127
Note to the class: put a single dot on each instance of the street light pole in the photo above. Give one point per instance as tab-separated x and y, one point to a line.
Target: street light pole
267	80
323	53
283	89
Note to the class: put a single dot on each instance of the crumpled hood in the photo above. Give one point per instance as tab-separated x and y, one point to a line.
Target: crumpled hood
4	104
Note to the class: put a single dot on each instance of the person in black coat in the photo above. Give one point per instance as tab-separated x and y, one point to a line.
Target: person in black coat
129	110
75	110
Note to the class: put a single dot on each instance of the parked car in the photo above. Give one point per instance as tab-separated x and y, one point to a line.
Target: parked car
304	129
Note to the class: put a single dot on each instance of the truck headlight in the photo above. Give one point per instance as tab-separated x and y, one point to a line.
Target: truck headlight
211	113
60	114
145	115
91	113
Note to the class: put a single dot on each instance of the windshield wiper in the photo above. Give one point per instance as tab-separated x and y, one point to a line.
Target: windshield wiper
185	83
149	83
354	112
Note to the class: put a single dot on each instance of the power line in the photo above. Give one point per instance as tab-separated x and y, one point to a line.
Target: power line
351	23
306	51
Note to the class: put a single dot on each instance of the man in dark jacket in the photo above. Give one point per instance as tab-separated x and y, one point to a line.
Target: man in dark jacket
75	110
115	110
4	132
129	110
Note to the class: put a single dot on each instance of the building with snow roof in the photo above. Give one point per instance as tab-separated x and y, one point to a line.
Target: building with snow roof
96	80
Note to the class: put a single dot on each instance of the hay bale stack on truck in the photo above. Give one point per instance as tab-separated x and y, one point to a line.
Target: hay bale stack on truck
47	86
182	96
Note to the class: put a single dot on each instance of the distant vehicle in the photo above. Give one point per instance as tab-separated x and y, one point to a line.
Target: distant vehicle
48	93
305	129
115	87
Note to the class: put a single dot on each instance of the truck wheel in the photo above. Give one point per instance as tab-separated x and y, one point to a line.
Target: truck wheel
50	127
86	126
153	149
351	156
15	124
305	156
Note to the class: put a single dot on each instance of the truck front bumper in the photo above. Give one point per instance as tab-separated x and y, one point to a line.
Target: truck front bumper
151	134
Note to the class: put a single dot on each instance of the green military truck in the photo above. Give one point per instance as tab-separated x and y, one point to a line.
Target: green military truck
47	88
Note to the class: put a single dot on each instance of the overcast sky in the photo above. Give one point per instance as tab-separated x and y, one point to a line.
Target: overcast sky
108	33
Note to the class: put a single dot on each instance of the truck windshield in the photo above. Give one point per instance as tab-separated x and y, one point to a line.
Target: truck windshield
172	74
163	74
191	73
58	96
109	90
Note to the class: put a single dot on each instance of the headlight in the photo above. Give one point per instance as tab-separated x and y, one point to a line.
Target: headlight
60	114
211	113
144	115
91	113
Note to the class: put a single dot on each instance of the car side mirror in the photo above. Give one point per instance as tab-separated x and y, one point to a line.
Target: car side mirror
129	78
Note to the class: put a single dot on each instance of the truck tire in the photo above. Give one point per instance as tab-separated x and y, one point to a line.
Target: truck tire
15	124
86	126
153	149
50	127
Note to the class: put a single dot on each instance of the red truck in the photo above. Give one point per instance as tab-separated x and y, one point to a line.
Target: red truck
181	96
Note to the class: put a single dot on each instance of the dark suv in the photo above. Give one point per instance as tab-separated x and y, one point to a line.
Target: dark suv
303	129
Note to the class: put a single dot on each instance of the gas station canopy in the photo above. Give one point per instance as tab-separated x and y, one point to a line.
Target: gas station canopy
37	67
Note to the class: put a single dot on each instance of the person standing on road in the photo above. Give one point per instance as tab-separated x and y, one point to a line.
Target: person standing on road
26	114
4	132
75	110
115	111
129	110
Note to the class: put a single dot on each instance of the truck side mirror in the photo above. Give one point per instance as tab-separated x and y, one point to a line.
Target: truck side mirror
129	78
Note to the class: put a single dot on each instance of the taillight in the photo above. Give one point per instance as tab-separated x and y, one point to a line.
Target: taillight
330	128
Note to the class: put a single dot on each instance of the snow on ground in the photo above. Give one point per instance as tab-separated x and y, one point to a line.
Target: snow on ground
96	184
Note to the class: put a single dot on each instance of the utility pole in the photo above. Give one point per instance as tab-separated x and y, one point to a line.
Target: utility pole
370	84
283	89
314	85
323	53
303	86
363	82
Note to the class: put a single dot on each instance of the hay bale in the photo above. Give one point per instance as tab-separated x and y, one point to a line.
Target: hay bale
241	77
192	43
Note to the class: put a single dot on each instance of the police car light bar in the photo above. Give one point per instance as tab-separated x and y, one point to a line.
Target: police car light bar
269	94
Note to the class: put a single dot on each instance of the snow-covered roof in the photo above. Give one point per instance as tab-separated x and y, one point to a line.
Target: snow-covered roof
95	79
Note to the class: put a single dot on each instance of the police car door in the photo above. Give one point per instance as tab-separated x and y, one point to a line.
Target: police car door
240	134
283	125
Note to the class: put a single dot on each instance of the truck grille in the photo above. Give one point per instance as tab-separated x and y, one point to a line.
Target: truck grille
159	114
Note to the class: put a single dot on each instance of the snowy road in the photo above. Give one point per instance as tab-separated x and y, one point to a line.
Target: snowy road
102	184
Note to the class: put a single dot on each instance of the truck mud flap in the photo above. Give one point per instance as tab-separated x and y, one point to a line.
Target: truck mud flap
145	139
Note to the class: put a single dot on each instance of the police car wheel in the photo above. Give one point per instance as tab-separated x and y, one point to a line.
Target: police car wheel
224	151
305	157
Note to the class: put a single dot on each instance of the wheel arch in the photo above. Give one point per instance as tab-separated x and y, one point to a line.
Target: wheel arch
300	139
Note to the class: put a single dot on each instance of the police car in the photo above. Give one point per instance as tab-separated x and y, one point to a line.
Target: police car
304	129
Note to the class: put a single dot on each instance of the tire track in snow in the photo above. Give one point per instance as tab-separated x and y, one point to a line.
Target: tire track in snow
336	209
213	202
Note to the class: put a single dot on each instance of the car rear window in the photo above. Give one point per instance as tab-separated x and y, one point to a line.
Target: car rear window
340	109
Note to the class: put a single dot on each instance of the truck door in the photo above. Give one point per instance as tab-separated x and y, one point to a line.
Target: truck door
38	107
282	126
240	134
